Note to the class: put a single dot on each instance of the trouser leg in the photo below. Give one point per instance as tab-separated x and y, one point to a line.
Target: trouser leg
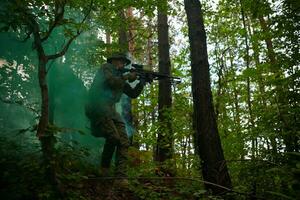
107	154
122	150
115	135
112	139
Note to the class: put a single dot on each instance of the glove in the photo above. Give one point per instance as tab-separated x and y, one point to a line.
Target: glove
130	76
142	81
146	78
149	78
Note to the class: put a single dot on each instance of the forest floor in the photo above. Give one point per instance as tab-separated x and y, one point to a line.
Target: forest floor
100	189
104	188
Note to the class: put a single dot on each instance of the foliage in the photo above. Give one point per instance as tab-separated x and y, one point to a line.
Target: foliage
257	107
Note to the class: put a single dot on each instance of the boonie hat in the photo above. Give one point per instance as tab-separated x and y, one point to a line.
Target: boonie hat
119	56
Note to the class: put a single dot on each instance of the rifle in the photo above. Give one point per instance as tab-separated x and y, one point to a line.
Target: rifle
149	76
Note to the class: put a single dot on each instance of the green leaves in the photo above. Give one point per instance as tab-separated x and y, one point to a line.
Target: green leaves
280	195
273	91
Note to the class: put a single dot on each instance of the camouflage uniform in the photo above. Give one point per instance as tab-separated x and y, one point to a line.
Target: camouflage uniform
105	92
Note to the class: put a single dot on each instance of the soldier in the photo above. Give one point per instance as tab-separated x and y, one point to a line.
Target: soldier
106	90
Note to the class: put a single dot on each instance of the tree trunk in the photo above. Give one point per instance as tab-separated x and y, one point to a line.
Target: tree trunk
126	101
289	132
165	139
123	39
131	32
249	103
220	87
268	40
46	138
261	87
236	109
108	41
207	140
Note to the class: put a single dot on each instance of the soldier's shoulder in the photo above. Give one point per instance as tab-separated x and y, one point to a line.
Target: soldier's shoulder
106	66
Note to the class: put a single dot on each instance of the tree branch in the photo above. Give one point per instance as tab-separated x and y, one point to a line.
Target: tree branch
142	34
6	101
59	16
66	47
49	66
27	36
253	160
89	11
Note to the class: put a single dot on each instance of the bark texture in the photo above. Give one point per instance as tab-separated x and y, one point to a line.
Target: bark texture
164	139
207	140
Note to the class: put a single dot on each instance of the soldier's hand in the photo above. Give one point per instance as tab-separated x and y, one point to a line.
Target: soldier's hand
149	78
130	76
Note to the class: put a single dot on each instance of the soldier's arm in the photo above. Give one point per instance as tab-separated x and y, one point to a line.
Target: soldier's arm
113	81
133	92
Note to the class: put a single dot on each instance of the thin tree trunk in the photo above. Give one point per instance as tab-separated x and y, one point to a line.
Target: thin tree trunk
123	39
108	41
131	32
207	140
220	67
107	37
189	163
237	118
268	40
261	87
289	132
124	47
165	139
46	138
249	103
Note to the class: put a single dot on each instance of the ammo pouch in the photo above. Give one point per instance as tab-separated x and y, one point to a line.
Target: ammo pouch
92	115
